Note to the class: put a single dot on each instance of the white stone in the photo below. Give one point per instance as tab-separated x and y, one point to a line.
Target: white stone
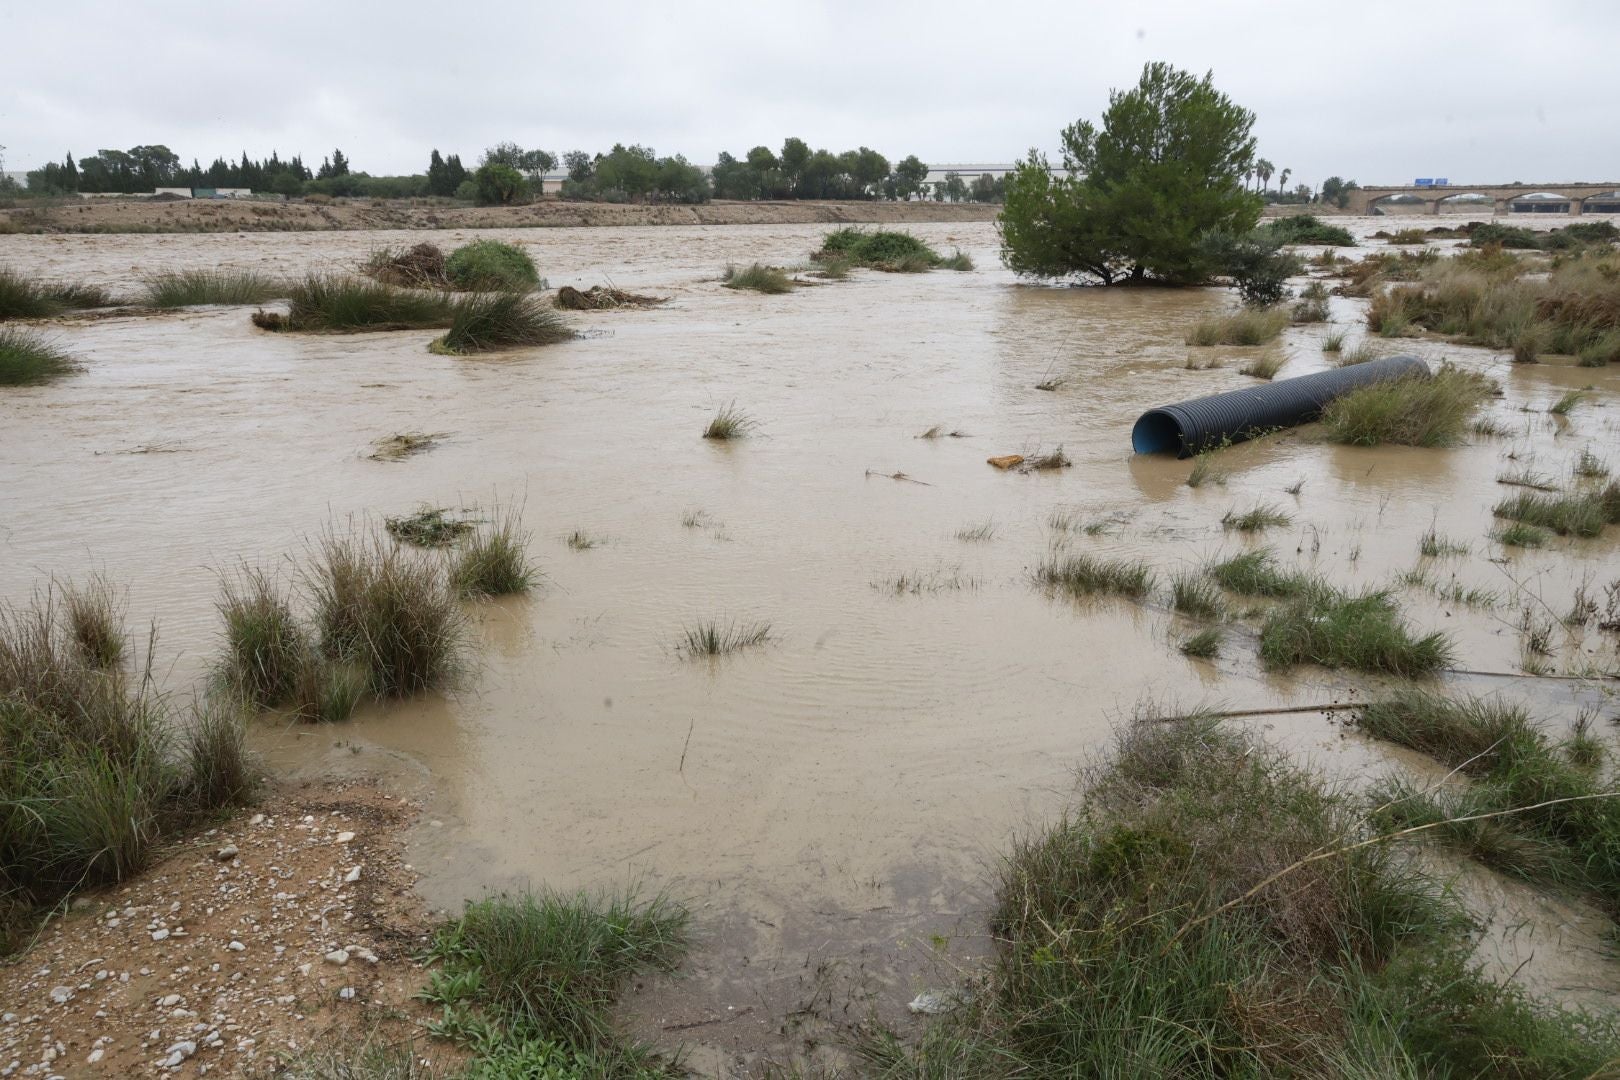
169	1001
338	957
159	935
256	819
95	1056
352	876
236	946
346	993
61	994
345	837
226	853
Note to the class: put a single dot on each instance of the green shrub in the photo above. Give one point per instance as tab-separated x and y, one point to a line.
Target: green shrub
487	322
1255	262
489	265
1307	229
27	358
881	249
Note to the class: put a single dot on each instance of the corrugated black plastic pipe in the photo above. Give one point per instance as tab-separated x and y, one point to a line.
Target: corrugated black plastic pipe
1193	426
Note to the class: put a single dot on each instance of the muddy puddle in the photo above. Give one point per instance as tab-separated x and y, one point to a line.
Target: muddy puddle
833	803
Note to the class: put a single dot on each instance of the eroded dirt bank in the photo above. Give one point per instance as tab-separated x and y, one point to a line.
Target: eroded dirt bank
142	216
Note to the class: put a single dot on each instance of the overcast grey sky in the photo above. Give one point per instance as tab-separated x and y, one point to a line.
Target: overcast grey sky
1383	92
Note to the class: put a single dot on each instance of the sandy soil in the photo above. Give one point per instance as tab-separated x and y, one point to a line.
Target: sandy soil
214	961
139	215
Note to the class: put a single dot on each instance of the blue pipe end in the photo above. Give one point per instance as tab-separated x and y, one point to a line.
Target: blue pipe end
1157	431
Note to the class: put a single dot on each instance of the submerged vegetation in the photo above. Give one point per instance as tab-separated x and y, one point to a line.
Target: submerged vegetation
488	322
1088	575
757	277
336	303
1249	326
23	298
495	562
885	249
712	638
728	423
1581	514
1307	229
189	288
1209	909
1362	632
28	358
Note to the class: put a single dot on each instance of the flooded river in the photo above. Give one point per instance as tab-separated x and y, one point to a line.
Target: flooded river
831	805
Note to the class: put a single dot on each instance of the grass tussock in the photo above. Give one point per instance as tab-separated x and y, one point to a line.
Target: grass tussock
420	266
1195	595
757	277
1248	326
730	422
193	288
338	304
265	644
93	616
390	611
22	297
1266	365
1255	573
1363	632
28	358
1089	575
713	638
1565	404
1581	514
1588	466
1333	342
1204	910
1411	411
527	982
92	778
1205	644
495	562
1519	534
1261	517
492	321
1512	764
1432	545
1205	470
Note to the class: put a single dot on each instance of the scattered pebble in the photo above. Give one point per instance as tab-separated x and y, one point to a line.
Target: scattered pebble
226	853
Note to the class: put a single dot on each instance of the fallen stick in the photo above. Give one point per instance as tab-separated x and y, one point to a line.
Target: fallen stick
1338	706
898	476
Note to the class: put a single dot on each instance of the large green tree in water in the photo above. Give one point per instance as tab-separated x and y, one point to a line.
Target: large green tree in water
1165	170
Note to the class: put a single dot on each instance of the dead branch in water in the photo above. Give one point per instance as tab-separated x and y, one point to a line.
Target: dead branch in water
898	476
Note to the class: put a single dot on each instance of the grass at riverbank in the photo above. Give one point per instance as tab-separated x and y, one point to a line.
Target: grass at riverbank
1206	910
22	297
28	358
336	303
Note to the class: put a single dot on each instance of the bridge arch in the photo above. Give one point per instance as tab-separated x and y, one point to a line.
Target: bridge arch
1604	202
1542	202
1474	198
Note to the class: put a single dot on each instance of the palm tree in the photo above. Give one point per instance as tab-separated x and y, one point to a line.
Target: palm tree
1263	169
1282	181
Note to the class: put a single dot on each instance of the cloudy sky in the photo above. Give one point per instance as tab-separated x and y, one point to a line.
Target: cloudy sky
1382	92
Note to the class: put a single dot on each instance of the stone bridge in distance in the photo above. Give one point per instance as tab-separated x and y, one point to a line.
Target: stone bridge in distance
1604	198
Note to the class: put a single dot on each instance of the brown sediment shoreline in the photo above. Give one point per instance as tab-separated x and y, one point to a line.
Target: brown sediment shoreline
210	216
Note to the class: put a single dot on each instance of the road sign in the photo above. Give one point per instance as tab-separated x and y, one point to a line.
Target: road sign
1423	181
1441	181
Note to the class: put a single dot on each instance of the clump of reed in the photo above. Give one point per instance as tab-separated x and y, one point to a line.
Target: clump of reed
93	779
1247	326
1204	880
337	303
730	422
711	637
1407	236
1362	352
1042	460
1363	632
191	288
22	297
1580	514
1333	342
1266	365
390	611
757	277
495	561
28	358
1516	769
1520	534
527	982
1082	575
491	321
265	645
1431	545
1588	466
1263	516
956	260
1409	411
1566	404
885	249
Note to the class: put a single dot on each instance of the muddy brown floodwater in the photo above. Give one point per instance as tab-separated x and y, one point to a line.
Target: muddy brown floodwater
831	805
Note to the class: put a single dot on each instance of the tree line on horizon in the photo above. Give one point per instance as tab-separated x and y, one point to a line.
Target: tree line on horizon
509	174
